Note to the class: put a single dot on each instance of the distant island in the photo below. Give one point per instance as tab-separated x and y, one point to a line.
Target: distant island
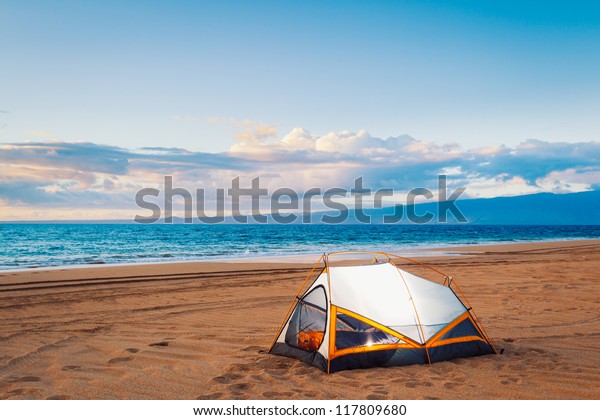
581	208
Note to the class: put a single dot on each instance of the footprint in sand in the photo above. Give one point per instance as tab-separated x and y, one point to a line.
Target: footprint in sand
277	395
376	397
511	380
451	385
59	397
18	391
380	391
119	360
159	344
354	384
227	378
26	379
301	371
239	388
213	396
240	367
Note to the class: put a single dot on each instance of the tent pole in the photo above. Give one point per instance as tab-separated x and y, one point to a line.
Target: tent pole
478	323
330	312
416	313
291	308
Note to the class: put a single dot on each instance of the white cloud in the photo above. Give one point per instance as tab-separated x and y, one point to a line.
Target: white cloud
251	134
298	139
57	173
570	180
344	142
502	185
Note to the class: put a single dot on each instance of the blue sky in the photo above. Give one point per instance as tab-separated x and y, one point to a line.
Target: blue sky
234	79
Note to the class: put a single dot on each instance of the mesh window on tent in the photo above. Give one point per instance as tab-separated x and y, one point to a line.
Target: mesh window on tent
307	324
351	332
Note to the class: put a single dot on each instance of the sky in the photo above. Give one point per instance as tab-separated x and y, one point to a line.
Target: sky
100	99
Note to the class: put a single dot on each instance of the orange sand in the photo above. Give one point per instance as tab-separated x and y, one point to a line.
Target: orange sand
194	330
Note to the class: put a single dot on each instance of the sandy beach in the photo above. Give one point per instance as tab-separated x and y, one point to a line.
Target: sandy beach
199	330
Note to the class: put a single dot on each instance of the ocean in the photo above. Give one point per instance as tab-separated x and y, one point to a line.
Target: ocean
48	245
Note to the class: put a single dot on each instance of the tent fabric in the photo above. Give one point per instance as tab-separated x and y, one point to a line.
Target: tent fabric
377	314
390	287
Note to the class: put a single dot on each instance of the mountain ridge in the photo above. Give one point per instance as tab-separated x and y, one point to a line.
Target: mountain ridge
581	208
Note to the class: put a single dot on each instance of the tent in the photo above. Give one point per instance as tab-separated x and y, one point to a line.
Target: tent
377	314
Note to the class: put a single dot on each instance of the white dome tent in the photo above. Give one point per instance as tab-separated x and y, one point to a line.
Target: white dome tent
377	314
